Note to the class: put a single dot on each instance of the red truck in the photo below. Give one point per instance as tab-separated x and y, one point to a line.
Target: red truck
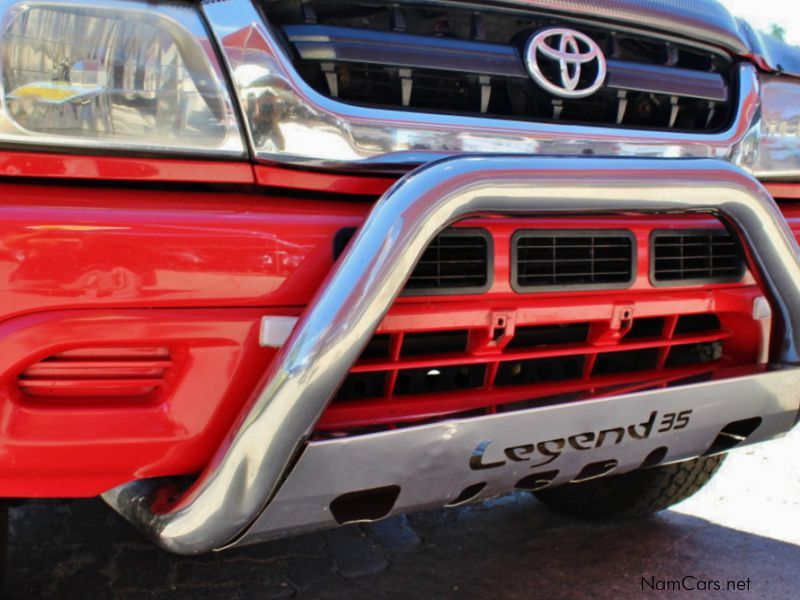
271	266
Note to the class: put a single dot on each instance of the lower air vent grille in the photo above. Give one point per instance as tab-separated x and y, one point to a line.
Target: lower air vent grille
457	261
453	260
409	377
98	373
548	260
699	256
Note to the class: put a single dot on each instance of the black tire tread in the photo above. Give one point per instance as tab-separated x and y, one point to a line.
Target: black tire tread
635	494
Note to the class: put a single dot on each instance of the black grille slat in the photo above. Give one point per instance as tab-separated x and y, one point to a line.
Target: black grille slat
695	256
701	271
544	260
451	65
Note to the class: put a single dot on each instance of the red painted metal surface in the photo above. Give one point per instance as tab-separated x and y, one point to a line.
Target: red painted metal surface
117	168
25	164
135	372
62	445
127	270
784	191
488	346
64	247
318	181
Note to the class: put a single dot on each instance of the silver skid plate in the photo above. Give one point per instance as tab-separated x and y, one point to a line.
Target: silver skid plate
433	464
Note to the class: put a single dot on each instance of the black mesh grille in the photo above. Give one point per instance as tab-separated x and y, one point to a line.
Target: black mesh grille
456	261
565	259
695	257
671	88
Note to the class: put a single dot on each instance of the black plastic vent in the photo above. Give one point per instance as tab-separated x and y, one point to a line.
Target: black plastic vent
534	336
434	342
454	261
540	370
441	379
457	261
550	260
695	257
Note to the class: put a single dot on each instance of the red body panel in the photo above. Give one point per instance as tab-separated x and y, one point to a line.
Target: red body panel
114	168
64	247
64	446
784	191
733	305
322	181
193	272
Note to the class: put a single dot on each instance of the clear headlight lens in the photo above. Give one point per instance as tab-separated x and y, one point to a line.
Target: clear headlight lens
777	154
127	75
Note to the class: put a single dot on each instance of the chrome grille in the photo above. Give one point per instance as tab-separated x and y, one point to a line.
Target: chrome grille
465	59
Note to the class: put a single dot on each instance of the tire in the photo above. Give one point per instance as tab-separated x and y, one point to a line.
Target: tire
632	495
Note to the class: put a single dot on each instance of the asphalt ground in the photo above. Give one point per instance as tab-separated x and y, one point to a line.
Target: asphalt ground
742	528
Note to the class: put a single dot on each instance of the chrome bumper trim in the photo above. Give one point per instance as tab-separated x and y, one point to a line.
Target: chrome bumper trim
290	122
268	438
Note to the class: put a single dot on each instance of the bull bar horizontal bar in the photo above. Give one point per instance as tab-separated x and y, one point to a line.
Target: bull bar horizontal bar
274	425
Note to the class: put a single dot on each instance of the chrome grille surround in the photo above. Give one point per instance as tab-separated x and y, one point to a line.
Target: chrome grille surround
290	122
456	58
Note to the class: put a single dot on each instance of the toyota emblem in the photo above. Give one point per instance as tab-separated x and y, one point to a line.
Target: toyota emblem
578	65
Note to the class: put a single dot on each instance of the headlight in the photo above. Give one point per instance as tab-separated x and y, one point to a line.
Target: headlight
777	153
127	75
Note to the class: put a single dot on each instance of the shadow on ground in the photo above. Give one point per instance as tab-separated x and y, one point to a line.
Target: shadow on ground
510	548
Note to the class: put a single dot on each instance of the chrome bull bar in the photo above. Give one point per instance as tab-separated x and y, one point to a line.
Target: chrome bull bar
271	433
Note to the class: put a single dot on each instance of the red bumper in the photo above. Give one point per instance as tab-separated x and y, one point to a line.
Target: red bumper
130	322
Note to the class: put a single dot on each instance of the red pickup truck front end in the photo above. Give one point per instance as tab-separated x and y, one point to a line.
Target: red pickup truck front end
267	267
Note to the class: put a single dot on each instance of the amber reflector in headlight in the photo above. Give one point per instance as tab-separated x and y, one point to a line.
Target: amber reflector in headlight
124	75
